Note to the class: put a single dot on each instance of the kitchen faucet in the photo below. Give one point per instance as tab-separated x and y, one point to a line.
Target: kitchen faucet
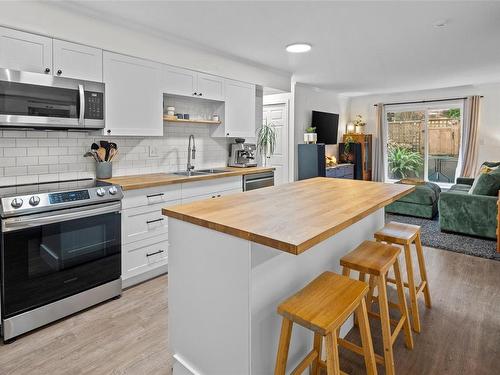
191	155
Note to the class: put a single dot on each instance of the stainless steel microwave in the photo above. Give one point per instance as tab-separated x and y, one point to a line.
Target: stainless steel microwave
33	100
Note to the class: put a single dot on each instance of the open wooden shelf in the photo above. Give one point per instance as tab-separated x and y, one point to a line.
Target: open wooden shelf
169	119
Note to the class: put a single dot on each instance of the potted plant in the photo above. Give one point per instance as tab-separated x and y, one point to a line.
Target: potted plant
266	141
403	161
347	148
359	124
310	135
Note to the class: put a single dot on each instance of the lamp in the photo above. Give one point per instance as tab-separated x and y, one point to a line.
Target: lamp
350	128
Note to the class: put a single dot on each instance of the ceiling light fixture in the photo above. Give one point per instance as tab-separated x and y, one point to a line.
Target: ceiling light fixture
441	23
298	48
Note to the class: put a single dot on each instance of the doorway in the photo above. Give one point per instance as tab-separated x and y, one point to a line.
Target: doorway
276	113
423	141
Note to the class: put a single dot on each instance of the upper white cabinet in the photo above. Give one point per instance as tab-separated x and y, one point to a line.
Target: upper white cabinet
178	81
25	51
239	110
210	87
77	61
134	101
39	54
185	82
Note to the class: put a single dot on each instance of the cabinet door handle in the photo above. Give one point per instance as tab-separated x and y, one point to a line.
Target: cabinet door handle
200	94
154	221
59	72
195	94
218	196
156	252
213	196
47	70
155	195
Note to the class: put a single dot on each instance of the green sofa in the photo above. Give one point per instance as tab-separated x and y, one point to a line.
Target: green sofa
465	213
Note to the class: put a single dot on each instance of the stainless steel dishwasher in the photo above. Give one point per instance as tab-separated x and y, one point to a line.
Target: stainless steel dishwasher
258	180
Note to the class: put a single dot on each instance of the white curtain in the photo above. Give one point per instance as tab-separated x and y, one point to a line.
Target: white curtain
379	154
467	160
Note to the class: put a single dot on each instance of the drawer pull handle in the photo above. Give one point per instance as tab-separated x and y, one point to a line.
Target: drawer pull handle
155	195
156	252
154	221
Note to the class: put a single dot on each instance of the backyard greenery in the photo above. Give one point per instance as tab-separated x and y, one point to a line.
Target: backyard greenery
403	161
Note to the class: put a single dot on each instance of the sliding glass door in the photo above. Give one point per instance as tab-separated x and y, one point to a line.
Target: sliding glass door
423	141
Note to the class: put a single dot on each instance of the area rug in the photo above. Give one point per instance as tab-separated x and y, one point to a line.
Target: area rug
433	237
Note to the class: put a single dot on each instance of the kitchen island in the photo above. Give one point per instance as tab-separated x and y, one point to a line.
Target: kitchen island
233	259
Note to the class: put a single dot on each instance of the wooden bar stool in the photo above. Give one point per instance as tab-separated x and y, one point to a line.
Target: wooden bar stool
323	306
405	235
375	259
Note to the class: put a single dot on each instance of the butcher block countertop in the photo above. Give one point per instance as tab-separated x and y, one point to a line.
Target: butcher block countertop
144	181
292	217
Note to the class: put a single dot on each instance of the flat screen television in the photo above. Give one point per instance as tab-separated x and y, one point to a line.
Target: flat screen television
327	125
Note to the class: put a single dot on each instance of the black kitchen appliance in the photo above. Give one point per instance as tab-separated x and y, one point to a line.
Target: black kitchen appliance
60	251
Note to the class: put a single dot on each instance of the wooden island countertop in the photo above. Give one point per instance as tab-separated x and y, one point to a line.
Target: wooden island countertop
291	217
144	181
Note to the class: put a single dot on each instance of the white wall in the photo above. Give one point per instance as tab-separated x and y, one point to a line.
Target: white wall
489	130
307	99
50	19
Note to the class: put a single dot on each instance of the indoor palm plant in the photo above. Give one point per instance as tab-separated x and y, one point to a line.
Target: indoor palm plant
266	141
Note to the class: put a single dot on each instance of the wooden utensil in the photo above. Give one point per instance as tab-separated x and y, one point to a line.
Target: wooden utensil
112	153
101	152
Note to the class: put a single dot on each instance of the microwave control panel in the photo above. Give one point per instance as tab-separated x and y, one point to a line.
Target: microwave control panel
94	105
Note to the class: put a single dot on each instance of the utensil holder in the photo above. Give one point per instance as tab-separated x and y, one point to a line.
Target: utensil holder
104	169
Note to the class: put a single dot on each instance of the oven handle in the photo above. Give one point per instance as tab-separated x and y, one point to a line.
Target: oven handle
81	119
30	221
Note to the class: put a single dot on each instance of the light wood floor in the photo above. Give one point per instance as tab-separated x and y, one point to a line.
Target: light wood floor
460	335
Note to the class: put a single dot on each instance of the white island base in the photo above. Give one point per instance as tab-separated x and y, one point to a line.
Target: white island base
223	293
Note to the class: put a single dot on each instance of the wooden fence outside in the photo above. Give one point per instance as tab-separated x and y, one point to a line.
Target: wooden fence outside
444	135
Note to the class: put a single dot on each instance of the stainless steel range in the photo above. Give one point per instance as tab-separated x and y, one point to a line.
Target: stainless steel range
60	251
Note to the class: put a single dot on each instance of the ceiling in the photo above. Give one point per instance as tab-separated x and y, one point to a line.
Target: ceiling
358	47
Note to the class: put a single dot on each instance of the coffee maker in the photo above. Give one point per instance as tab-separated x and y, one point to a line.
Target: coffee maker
242	154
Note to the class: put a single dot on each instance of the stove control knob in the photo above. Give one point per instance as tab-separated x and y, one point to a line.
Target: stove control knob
16	202
100	192
34	200
112	190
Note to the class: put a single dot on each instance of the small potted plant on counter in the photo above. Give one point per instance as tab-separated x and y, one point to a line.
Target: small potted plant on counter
310	135
266	141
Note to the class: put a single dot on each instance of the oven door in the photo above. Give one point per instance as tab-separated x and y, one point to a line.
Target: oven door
50	256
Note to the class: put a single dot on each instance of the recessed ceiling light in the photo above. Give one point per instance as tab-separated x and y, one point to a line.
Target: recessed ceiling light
441	23
298	48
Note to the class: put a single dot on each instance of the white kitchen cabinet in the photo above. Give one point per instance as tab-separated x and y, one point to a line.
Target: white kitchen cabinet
133	98
210	87
185	82
25	51
210	187
143	258
77	61
239	119
179	81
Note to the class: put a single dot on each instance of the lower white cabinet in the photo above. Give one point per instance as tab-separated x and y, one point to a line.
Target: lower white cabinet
145	229
142	257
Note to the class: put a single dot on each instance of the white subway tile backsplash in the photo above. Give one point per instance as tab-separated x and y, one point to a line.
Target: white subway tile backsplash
26	160
15	171
45	156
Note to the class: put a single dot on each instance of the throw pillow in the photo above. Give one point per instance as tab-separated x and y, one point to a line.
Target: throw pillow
486	183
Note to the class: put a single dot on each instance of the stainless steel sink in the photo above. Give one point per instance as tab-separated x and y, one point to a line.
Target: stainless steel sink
211	171
192	173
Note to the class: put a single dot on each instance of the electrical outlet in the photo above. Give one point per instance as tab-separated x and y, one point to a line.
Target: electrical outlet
153	151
